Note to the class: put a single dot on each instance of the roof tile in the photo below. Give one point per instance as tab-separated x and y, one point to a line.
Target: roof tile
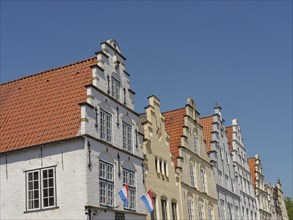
43	107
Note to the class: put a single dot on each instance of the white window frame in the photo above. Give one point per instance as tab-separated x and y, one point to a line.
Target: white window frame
220	175
222	209
106	177
40	188
129	177
210	213
200	211
105	126
116	88
192	174
196	144
127	136
190	210
203	180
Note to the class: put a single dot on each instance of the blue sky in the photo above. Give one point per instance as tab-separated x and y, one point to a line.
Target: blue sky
236	53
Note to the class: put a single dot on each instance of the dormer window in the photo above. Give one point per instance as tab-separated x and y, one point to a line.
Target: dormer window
115	88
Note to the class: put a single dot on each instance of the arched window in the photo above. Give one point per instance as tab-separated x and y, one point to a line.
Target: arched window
164	208
154	212
210	211
192	174
200	209
203	180
190	210
174	209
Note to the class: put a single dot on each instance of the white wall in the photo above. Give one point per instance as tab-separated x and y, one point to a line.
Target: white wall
69	159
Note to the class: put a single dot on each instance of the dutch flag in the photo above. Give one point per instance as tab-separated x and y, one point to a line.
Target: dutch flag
148	201
123	193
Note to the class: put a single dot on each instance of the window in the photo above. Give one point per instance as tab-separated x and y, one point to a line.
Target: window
230	211
210	213
227	181
221	153
236	212
222	209
227	158
127	137
166	169
129	177
119	216
200	212
202	178
192	174
156	165
196	145
232	185
220	175
174	211
190	210
115	88
164	209
154	213
41	189
106	183
106	126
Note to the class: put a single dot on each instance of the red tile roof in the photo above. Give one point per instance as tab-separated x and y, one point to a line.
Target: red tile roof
229	131
174	121
206	123
43	107
251	163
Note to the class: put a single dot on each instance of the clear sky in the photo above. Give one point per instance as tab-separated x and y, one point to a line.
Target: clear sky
236	53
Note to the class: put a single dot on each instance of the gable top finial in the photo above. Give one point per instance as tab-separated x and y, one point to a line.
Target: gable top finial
217	105
114	44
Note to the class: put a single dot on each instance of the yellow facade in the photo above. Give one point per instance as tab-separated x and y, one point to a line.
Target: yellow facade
160	175
198	195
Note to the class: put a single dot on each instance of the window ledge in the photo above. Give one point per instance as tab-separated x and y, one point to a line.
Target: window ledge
41	210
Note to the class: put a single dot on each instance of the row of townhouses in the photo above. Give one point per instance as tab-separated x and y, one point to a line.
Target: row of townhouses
71	140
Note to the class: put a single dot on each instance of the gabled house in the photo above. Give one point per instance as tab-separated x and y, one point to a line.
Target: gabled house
248	205
261	191
70	141
222	163
197	188
160	174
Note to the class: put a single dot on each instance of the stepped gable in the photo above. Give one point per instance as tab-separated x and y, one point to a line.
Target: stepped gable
174	122
229	131
44	107
251	163
206	123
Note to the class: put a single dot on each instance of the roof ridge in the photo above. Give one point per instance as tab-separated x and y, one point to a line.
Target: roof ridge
45	71
206	117
173	110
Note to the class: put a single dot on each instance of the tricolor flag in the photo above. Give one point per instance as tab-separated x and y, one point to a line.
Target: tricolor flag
123	193
148	201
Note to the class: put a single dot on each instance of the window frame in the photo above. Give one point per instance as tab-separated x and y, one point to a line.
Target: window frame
200	211
127	137
164	209
192	172
131	188
40	189
174	210
203	180
116	86
196	144
210	213
106	126
190	210
108	182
